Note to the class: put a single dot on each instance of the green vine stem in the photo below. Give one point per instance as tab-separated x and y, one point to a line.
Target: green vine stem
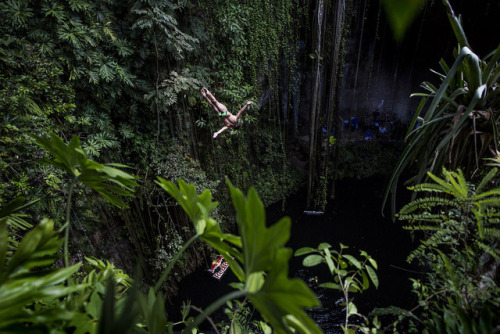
66	224
174	260
213	307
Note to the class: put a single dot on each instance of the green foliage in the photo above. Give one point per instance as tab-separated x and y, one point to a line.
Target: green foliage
125	79
457	127
32	98
454	320
104	271
34	300
26	277
240	319
158	20
9	214
97	304
349	273
460	249
72	159
468	217
260	261
173	86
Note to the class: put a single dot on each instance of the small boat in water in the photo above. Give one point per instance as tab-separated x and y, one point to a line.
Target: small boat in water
314	213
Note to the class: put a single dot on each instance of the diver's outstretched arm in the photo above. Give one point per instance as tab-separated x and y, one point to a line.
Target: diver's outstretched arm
221	130
243	109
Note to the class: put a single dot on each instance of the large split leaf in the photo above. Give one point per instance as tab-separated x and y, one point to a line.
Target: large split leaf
107	180
198	208
281	300
260	244
257	257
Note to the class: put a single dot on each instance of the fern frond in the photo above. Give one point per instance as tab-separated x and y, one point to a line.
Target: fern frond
440	237
93	77
489	203
493	192
486	179
124	48
31	106
494	252
425	219
78	5
427	203
11	216
491	233
430	187
18	222
493	220
421	228
462	184
125	76
449	189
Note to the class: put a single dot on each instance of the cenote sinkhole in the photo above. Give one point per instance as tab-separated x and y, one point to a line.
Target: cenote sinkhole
354	219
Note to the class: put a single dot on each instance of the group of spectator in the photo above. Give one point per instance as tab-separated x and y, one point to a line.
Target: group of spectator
371	128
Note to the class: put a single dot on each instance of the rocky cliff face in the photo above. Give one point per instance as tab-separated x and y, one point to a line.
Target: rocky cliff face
354	81
378	73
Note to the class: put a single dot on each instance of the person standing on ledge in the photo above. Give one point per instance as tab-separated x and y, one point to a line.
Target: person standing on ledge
230	120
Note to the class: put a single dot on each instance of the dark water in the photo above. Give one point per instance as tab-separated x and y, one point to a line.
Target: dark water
354	219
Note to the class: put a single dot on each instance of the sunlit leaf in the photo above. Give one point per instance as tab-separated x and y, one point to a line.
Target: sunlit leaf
21	284
353	260
304	250
373	275
330	285
312	260
281	297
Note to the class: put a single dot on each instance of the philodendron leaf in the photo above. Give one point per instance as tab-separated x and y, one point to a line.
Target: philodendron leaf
100	177
65	156
260	244
254	282
198	208
260	250
281	300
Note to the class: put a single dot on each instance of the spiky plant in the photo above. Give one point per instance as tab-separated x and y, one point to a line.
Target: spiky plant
459	127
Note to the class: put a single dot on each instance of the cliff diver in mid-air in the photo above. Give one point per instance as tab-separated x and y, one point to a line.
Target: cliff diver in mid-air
230	120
